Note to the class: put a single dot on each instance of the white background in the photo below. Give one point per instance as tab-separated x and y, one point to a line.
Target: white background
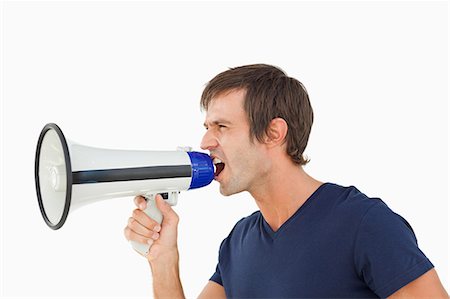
129	75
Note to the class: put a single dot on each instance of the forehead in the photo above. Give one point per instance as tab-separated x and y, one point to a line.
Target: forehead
228	106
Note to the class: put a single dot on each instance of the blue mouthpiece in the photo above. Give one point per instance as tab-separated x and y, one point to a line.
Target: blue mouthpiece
202	170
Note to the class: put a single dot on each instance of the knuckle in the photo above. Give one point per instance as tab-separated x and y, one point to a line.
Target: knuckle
136	213
152	223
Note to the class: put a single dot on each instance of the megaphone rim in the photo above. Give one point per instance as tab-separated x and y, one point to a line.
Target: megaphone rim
68	166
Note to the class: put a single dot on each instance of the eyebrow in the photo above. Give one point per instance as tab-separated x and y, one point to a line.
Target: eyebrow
218	121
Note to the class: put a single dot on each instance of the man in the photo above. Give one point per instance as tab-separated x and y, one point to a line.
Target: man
309	239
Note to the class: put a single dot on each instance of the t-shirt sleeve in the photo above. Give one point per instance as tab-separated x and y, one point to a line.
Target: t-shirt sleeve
224	251
217	276
387	256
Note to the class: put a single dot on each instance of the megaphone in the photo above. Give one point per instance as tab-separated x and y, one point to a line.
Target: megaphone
69	175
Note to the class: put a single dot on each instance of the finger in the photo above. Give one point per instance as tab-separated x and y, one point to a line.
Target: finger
168	213
140	202
136	227
131	235
145	220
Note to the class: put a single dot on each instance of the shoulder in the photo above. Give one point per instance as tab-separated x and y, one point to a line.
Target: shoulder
350	209
386	252
379	219
371	211
248	221
384	247
247	224
370	216
349	201
243	227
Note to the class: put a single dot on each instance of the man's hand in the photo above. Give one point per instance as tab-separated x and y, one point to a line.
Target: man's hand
143	229
163	254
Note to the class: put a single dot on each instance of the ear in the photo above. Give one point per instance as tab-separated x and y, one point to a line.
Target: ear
276	132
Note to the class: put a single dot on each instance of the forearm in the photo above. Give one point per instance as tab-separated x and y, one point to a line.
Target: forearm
166	277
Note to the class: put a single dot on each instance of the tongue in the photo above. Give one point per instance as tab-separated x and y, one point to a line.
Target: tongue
219	168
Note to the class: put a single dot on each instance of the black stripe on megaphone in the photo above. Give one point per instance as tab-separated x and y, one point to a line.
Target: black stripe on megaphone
130	174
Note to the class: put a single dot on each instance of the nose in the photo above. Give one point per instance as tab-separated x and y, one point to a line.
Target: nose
209	141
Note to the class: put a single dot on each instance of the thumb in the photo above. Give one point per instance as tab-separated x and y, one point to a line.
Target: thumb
169	215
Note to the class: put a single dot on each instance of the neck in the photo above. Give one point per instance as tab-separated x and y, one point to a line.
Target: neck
279	197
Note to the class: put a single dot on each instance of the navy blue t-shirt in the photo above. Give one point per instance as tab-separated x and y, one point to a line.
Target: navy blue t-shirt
338	244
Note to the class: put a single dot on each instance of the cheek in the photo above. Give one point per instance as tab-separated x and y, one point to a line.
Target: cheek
231	145
237	149
247	157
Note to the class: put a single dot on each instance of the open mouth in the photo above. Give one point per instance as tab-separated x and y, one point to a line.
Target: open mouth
219	166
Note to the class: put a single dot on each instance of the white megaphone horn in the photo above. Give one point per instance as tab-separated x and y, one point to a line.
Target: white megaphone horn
69	175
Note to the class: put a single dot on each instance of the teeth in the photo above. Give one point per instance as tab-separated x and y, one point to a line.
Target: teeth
217	161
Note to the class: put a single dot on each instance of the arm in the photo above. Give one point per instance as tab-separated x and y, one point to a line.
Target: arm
426	286
212	290
163	254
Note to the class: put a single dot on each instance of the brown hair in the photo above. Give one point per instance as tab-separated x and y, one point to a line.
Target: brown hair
270	93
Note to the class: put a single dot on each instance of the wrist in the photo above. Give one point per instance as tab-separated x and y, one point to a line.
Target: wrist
163	258
166	275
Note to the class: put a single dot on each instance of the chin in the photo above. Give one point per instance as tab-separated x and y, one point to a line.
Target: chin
224	192
227	192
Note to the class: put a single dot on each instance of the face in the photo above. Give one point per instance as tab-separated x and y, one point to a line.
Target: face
228	140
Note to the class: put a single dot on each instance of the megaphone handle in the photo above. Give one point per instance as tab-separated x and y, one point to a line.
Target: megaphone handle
153	212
